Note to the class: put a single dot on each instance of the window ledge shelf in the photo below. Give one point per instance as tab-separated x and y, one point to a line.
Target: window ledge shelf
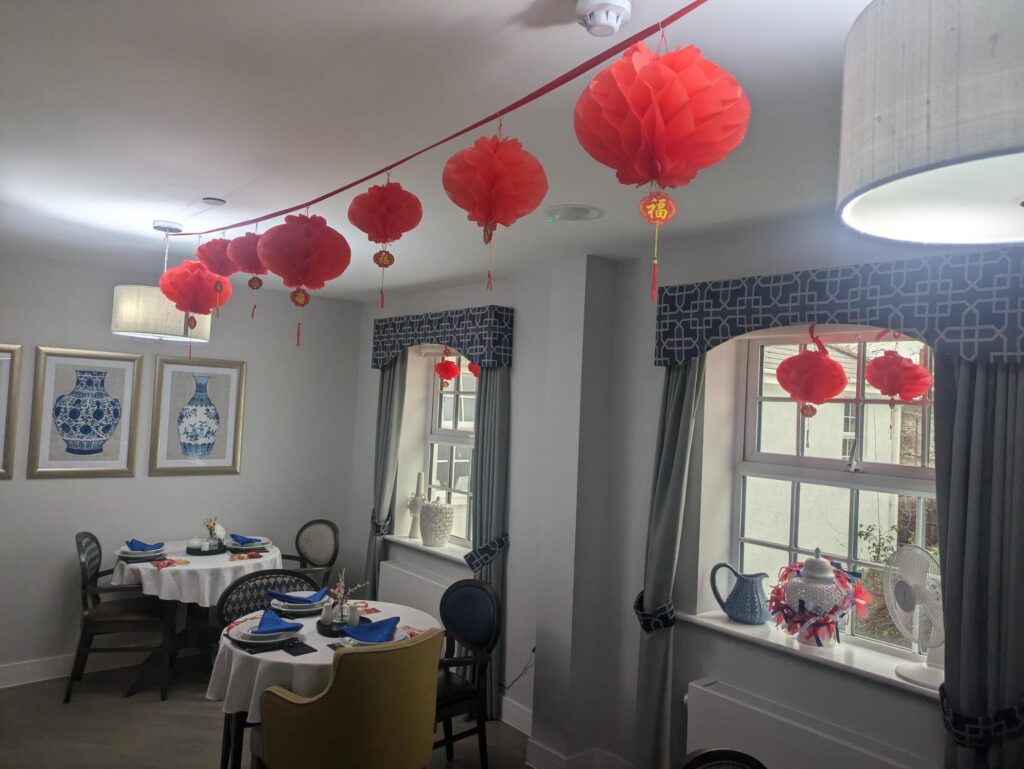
449	552
851	658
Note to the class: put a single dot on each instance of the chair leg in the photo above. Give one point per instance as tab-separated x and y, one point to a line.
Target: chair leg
225	742
449	744
481	736
166	650
78	668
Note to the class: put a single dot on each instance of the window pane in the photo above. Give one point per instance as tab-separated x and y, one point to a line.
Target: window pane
467	382
885	521
930	413
825	433
766	509
440	464
877	625
894	436
446	412
771	356
460	504
776	433
463	458
467	412
824	519
931	527
757	558
908	348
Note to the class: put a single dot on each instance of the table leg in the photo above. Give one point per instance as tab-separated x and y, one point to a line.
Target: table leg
157	664
237	738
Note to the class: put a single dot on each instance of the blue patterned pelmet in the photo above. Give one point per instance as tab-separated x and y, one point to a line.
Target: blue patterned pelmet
971	305
482	334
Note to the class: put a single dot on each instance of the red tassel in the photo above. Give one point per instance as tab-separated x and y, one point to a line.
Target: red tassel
490	280
298	334
654	280
253	313
190	350
382	299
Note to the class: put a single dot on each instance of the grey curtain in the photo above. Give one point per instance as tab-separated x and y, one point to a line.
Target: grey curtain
674	465
390	403
490	500
979	469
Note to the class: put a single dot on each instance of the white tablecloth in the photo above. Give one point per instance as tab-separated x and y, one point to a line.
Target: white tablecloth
201	581
240	678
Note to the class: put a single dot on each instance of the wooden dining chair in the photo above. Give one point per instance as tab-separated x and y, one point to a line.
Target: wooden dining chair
376	712
720	759
137	614
317	546
471	614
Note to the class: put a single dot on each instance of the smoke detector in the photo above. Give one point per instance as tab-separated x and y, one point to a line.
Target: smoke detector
602	19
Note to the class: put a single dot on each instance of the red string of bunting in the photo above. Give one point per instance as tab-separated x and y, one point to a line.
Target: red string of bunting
545	89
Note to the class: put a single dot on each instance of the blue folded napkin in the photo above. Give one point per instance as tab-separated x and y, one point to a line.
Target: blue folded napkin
292	598
374	632
138	546
271	623
244	540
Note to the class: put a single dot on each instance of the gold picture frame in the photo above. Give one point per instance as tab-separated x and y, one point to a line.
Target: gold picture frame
80	429
10	382
198	409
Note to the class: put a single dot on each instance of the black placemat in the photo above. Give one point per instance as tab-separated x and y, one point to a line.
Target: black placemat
196	551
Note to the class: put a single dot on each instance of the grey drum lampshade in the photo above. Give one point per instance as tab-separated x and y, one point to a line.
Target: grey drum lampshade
144	311
932	144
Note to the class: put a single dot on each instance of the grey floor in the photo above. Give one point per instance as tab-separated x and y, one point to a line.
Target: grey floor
100	729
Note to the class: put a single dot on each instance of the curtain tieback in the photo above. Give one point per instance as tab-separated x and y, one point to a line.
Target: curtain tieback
981	731
658	618
380	528
479	557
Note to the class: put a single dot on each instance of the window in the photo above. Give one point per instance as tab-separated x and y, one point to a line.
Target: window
449	444
857	479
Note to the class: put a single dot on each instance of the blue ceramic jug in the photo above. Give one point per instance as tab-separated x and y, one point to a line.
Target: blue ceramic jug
746	603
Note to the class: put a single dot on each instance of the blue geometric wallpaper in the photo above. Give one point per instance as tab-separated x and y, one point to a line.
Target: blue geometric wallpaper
971	305
482	334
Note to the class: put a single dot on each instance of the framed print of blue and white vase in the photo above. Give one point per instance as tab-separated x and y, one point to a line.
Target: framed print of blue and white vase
10	377
198	421
197	417
83	414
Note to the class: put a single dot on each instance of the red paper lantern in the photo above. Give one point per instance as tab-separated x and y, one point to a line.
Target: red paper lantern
811	376
385	212
894	375
496	182
195	290
214	254
243	251
447	370
659	120
305	253
474	370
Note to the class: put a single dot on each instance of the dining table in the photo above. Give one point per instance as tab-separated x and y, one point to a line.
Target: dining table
240	676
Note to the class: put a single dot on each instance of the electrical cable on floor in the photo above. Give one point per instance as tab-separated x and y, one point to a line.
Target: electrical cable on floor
527	666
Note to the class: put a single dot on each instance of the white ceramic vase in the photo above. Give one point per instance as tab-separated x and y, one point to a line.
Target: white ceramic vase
436	520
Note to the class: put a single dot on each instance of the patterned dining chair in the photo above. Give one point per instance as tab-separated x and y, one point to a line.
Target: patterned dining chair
137	614
317	546
471	615
720	759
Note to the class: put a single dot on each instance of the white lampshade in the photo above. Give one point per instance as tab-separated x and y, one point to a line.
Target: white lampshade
144	311
932	145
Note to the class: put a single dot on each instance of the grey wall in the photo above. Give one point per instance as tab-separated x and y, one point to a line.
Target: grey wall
296	446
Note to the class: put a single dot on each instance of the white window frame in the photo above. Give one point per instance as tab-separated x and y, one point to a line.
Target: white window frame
435	434
856	476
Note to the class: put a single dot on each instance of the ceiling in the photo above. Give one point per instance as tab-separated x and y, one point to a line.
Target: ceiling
118	113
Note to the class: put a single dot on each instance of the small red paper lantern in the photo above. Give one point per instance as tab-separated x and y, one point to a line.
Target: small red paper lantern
659	120
385	212
895	375
195	290
214	254
305	253
496	182
811	376
447	370
474	370
243	251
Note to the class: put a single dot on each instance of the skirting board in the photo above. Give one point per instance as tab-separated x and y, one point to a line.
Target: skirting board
517	716
30	671
540	756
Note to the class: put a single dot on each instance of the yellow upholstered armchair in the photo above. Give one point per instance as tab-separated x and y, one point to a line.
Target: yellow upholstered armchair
376	713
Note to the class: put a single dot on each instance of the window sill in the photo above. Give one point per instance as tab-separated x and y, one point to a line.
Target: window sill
851	658
449	552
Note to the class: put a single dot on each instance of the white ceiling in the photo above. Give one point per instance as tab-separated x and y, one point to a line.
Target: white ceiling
117	113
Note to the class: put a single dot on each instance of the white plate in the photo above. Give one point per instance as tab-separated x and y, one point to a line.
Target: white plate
299	608
400	635
262	542
242	632
124	552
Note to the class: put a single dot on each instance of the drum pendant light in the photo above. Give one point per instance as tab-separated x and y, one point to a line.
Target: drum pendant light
932	144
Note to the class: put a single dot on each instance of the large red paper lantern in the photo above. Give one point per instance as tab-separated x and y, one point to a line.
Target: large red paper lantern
659	120
195	290
305	253
243	251
214	254
811	376
496	182
894	375
447	370
385	212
